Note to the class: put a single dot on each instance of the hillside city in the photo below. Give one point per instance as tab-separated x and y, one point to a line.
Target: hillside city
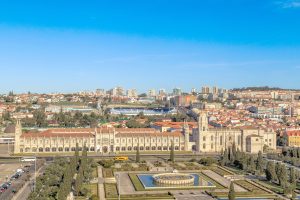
244	140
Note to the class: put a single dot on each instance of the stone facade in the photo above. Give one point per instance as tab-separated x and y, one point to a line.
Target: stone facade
203	139
249	140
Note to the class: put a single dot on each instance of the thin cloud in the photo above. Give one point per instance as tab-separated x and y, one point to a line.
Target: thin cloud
289	4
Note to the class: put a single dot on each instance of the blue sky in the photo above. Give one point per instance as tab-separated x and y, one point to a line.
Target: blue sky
66	46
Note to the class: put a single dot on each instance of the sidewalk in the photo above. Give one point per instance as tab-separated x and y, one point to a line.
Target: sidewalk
101	193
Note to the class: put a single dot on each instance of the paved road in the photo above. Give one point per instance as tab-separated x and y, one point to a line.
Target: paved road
25	191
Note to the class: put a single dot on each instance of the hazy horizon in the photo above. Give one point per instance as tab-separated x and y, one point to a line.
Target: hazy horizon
66	47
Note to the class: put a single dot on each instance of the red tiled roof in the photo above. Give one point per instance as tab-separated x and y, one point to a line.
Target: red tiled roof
89	132
293	133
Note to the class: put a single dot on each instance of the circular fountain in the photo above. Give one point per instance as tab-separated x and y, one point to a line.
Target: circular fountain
174	179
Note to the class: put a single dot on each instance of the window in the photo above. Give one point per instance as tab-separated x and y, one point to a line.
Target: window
221	140
239	140
204	138
257	140
123	140
123	148
270	140
153	148
204	145
212	146
266	140
117	140
212	138
117	148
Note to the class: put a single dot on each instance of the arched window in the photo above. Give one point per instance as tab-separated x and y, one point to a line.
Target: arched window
27	149
135	148
165	148
129	148
53	149
147	148
176	148
41	149
34	149
47	149
159	148
153	148
60	149
141	148
73	149
67	149
123	148
92	149
117	148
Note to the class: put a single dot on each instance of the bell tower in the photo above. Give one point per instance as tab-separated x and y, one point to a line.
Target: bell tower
186	131
202	130
203	122
18	133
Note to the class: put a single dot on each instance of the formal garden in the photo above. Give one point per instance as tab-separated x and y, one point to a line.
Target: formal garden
65	176
215	177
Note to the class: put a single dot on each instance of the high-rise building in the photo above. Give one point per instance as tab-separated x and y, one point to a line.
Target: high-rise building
117	91
100	92
152	93
205	90
162	92
132	93
215	90
177	91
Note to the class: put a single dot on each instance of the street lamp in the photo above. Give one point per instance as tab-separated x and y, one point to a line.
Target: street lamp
118	179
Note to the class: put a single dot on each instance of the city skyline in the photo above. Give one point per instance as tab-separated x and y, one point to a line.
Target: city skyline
49	48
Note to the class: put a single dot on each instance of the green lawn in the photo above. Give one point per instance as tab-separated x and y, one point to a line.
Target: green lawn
271	186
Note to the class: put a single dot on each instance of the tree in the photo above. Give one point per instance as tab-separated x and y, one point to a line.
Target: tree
79	181
282	175
252	166
259	163
224	158
270	171
77	153
40	118
172	153
137	157
231	194
293	179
